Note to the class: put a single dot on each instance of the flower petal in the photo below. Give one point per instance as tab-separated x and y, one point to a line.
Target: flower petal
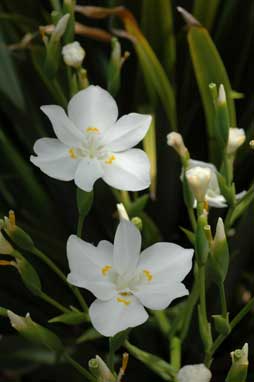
217	201
128	131
88	171
63	127
62	167
129	171
127	245
159	296
86	263
50	148
93	107
166	262
119	313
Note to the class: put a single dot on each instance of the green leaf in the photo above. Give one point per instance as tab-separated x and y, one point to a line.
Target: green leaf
205	12
136	207
70	318
209	68
3	312
190	235
9	81
89	335
242	205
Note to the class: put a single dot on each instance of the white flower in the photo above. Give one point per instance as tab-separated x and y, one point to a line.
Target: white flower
213	193
235	139
194	373
123	280
73	54
198	179
92	144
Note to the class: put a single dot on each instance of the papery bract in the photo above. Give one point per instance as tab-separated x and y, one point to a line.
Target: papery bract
123	280
92	144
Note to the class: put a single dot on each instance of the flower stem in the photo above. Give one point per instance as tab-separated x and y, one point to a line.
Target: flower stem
162	321
53	302
202	292
80	225
245	310
188	311
61	275
79	368
192	218
223	300
175	353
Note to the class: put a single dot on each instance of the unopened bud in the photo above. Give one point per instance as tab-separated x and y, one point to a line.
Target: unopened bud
61	27
235	139
220	254
239	369
222	95
73	54
175	140
122	212
17	234
194	373
100	370
198	179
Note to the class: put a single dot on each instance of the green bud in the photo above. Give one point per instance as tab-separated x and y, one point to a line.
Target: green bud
100	370
84	202
34	332
28	275
17	234
201	242
5	247
219	254
137	222
187	194
222	119
239	369
222	324
82	78
114	67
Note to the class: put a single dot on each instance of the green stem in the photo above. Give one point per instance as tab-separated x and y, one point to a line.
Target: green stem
188	312
61	275
80	225
202	292
245	310
192	218
53	302
55	4
175	353
111	357
227	222
223	300
79	368
163	322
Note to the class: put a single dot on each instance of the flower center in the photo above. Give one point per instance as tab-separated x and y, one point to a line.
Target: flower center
92	147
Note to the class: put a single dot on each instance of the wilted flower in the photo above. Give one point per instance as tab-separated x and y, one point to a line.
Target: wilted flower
92	144
198	179
235	139
194	373
124	281
73	54
213	193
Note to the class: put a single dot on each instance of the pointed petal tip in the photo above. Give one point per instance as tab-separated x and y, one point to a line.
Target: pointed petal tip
188	18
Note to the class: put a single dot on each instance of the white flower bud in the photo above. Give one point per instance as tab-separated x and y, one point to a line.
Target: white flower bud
122	211
194	373
222	95
251	143
61	26
73	54
198	179
220	231
235	139
175	140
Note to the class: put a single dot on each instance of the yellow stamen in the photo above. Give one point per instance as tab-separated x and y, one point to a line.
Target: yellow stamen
148	275
110	159
123	301
125	294
105	269
72	153
12	218
92	130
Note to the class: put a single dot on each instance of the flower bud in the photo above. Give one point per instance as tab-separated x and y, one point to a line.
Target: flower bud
100	370
194	373
198	179
235	140
220	253
175	140
251	143
137	222
61	27
122	211
239	369
73	54
17	234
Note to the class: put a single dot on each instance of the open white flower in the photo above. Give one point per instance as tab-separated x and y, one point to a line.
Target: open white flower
123	280
213	193
92	144
194	373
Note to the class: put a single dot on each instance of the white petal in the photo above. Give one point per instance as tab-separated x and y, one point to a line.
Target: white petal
112	317
240	195
86	263
166	262
88	171
61	168
128	131
216	201
159	296
129	171
127	245
50	148
63	127
93	107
